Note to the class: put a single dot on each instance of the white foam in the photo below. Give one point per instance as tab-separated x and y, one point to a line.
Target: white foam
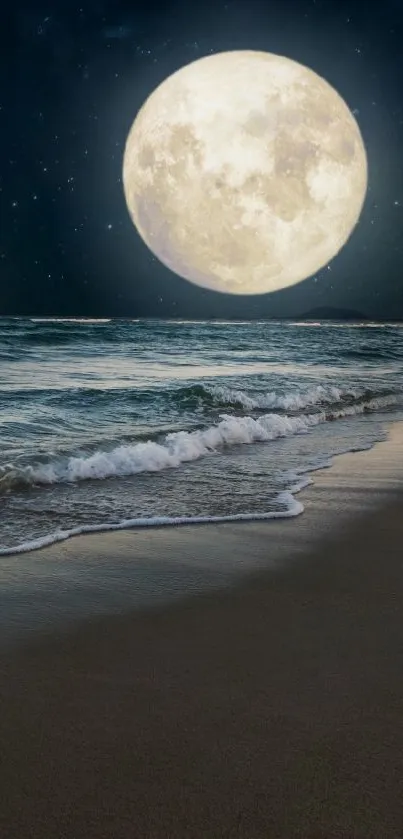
294	508
305	323
297	400
70	320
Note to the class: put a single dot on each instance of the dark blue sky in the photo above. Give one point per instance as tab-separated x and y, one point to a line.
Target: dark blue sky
73	76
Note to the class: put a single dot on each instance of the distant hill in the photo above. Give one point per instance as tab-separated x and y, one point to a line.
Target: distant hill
330	313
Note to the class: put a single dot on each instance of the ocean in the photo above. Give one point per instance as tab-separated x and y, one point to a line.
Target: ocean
114	423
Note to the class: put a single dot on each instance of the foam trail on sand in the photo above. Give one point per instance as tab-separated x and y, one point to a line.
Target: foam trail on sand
294	508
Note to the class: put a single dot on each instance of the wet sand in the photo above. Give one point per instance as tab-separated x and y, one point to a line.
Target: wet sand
272	709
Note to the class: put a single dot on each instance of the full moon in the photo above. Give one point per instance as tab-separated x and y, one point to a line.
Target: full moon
245	172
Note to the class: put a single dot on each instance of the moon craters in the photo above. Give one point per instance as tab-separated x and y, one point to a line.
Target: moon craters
245	172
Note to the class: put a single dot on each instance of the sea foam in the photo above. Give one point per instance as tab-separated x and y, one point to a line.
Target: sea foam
296	400
293	401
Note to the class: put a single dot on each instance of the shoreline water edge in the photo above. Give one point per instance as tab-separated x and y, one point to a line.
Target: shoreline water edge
129	568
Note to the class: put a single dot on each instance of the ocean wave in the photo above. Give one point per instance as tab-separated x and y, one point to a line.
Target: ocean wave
46	337
292	508
199	396
177	447
316	396
70	320
371	353
43	331
308	323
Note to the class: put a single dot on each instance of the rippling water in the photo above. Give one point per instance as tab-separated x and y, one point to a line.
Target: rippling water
107	421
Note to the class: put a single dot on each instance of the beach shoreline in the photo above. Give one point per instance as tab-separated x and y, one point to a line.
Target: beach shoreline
104	573
267	708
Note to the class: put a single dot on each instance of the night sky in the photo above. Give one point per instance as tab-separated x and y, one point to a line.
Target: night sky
72	78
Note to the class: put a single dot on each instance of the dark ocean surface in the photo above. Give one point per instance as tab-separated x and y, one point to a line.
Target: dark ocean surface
106	423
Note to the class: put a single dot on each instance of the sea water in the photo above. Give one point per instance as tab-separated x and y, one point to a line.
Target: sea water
113	423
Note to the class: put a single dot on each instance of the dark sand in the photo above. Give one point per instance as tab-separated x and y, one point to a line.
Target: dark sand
273	709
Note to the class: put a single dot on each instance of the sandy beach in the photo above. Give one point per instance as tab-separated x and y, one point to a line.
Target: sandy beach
269	708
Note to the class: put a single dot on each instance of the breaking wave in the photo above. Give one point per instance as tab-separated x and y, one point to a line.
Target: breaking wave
298	400
179	447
